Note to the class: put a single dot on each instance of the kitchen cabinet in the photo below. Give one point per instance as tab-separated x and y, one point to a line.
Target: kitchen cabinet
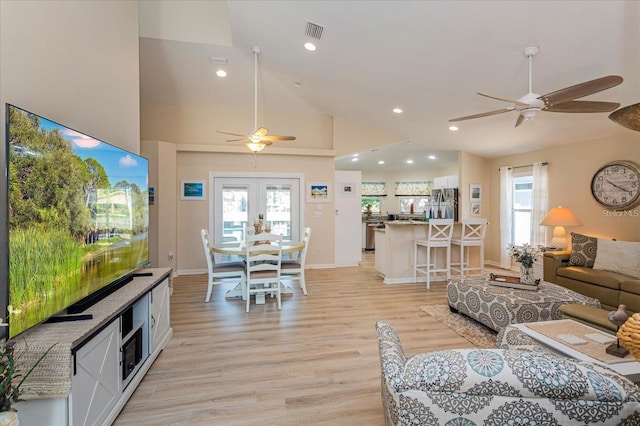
445	182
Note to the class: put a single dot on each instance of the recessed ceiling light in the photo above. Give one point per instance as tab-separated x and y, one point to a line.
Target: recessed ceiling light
397	110
409	161
297	84
453	128
354	159
381	162
310	46
221	73
432	157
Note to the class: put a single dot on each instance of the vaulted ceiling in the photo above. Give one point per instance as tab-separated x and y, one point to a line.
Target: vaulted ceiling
428	58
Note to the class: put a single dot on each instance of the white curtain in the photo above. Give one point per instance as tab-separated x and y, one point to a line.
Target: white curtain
506	220
539	205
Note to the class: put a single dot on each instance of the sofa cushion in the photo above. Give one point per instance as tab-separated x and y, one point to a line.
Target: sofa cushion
618	256
583	250
630	286
592	276
589	315
513	373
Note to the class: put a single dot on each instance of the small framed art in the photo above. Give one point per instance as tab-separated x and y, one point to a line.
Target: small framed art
475	192
318	192
475	209
192	190
347	189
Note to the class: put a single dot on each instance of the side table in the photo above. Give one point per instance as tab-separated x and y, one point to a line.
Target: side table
629	369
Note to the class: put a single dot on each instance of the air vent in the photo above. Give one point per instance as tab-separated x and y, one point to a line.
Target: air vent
314	30
218	61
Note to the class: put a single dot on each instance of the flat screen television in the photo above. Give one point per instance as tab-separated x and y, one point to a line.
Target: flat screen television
77	218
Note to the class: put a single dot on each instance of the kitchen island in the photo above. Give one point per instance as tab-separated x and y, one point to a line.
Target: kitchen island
394	249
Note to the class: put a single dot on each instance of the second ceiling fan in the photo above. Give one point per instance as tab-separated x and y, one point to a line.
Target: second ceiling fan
260	138
562	100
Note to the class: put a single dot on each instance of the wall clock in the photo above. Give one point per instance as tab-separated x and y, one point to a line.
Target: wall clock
616	185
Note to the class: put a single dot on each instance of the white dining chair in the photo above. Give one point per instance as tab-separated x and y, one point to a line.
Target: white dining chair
472	234
263	261
439	235
293	269
218	272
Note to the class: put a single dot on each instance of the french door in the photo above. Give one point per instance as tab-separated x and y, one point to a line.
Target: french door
239	201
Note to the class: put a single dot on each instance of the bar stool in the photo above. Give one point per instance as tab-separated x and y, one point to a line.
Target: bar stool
439	236
471	235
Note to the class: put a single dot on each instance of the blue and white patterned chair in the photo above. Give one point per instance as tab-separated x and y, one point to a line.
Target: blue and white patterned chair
498	386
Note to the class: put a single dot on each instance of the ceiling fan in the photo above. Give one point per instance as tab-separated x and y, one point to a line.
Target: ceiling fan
260	138
562	100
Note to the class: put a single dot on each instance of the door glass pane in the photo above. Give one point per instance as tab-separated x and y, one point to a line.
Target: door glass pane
278	209
235	212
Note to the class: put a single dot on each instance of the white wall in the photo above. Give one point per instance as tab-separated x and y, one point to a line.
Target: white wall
75	63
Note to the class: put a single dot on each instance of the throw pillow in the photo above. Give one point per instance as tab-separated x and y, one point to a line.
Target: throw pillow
583	250
618	256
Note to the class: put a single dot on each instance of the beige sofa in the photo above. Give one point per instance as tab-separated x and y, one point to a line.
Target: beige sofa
611	288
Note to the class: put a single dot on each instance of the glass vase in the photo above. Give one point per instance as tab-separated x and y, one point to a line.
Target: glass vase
526	274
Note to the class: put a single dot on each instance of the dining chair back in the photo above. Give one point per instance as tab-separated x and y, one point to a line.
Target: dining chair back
293	269
263	259
439	235
218	272
472	234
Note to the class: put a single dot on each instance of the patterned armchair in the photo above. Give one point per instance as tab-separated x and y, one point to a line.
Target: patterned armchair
498	386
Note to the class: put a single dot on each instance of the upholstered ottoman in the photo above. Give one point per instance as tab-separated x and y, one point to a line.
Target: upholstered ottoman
496	307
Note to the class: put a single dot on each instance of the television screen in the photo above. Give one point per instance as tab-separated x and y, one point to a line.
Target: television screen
77	217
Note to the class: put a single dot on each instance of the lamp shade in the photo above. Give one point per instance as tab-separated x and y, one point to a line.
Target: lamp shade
560	216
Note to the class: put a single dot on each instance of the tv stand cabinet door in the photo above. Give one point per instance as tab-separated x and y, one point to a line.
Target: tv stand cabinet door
160	322
95	386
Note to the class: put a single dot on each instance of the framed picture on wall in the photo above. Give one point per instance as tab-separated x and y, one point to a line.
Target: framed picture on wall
475	192
347	189
475	209
192	190
318	192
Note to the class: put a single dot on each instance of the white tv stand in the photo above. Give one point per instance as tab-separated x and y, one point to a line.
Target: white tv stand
80	381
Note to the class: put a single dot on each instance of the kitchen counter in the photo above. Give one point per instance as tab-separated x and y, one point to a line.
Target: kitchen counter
394	249
405	222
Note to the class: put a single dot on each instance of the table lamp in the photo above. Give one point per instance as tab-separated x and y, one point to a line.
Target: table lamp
559	217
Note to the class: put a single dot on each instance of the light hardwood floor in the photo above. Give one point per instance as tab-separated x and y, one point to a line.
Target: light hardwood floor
315	362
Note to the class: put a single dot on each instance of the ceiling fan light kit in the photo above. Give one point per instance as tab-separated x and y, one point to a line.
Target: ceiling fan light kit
260	138
562	100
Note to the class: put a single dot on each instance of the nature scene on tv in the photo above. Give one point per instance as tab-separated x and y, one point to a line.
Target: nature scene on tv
78	216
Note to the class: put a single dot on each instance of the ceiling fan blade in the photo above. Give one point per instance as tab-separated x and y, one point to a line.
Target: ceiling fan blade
583	106
511	101
482	114
237	140
580	90
628	117
232	134
520	120
261	132
278	138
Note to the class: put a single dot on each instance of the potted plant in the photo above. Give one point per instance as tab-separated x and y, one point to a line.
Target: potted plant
525	256
11	380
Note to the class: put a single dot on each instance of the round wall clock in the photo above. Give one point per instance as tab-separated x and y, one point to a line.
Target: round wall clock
616	185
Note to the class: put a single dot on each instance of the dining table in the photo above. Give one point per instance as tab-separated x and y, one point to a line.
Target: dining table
288	247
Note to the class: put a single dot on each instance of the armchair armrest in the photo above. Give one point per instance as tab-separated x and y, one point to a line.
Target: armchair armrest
552	260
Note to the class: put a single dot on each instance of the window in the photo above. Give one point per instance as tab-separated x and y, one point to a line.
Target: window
374	202
522	202
419	204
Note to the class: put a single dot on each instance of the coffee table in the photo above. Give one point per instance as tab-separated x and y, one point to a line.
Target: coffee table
497	307
629	368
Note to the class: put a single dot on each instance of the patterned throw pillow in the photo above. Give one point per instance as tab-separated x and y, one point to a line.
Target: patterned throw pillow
583	250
